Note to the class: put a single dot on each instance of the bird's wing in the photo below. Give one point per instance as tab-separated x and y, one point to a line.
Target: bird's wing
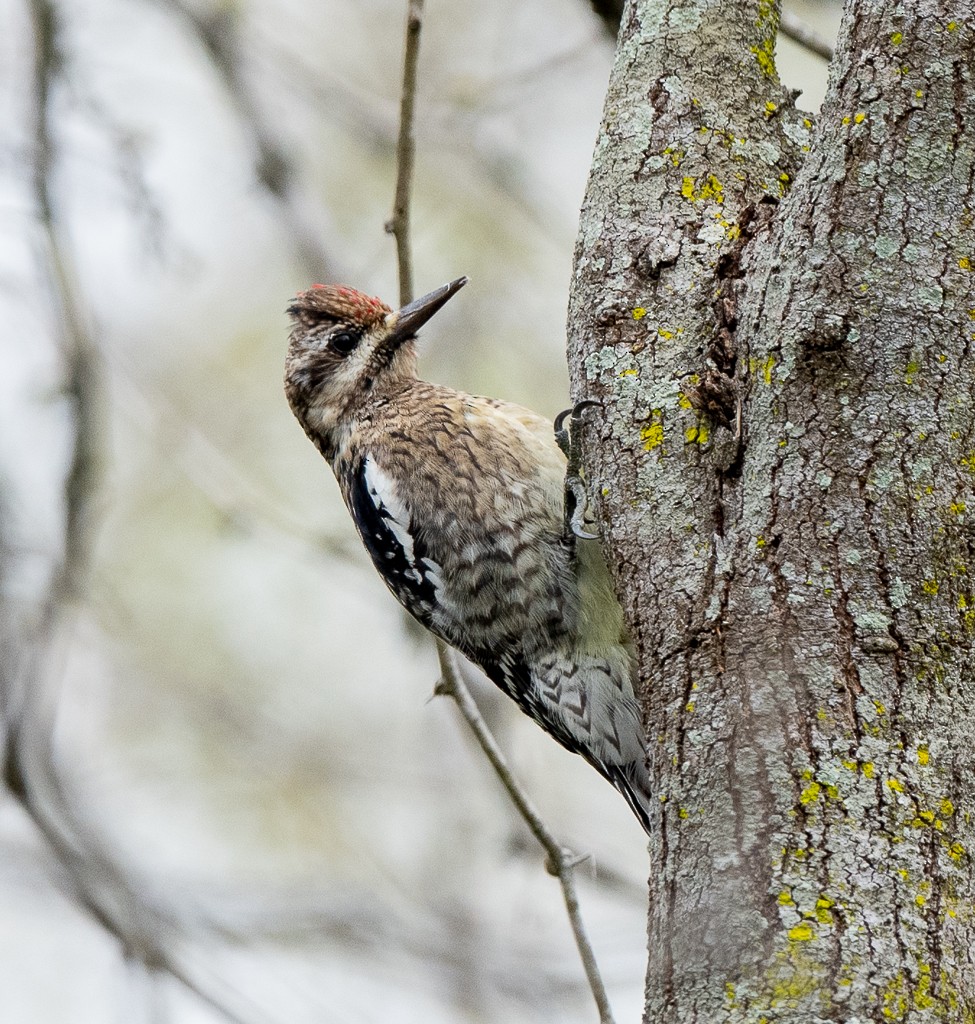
580	703
540	430
390	537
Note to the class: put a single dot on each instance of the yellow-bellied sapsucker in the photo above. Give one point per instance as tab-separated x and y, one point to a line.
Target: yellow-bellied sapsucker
459	501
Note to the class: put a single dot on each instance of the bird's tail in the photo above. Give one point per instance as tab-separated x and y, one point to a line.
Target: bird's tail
633	781
586	702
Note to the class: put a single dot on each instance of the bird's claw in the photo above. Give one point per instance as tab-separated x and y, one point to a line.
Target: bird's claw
569	442
575	509
562	435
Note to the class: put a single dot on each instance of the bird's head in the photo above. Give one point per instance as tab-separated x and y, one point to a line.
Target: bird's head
346	348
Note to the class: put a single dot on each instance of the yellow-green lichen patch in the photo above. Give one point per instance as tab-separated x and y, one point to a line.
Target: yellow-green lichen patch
810	794
762	367
630	372
824	911
894	1001
765	57
905	993
965	263
638	313
652	433
792	979
802	932
698	434
968	618
709	189
768	17
683	401
896	38
922	990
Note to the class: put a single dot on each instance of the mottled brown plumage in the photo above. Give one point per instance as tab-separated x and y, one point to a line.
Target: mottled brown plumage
459	501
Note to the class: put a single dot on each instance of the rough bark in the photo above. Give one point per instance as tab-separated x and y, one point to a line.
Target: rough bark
791	526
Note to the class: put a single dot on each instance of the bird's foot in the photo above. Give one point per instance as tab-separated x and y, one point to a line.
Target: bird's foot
568	439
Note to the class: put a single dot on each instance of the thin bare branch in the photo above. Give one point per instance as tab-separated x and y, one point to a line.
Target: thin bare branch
561	860
29	705
451	127
78	349
793	27
399	226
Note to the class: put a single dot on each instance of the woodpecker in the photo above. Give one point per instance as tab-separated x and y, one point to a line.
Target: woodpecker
460	502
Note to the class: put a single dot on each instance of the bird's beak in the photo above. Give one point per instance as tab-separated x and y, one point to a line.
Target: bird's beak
408	320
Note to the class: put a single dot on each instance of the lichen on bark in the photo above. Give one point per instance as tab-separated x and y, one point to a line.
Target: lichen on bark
779	319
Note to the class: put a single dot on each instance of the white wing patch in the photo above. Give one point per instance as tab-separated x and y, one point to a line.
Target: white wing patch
397	551
382	493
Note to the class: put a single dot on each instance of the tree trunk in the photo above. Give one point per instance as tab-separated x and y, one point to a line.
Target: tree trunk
779	319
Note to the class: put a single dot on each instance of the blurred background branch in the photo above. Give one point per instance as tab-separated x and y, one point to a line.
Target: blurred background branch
218	31
31	694
801	32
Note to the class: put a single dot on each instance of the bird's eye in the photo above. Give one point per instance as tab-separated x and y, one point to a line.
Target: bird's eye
344	342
